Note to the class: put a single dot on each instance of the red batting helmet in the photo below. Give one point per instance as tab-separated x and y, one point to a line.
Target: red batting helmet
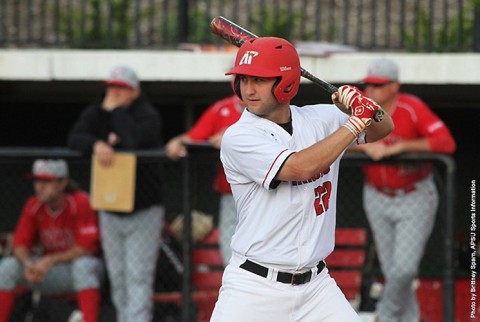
269	57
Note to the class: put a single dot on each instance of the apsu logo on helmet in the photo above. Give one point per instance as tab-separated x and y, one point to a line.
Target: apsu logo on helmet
247	57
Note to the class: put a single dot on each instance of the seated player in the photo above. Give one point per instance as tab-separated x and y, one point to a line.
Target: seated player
59	221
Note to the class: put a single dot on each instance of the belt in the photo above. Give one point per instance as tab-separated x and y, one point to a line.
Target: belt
395	192
283	277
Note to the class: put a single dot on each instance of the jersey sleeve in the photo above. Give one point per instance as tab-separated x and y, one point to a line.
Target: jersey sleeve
432	127
26	230
251	156
87	233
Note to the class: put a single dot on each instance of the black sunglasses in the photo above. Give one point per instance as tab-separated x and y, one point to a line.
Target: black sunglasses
377	85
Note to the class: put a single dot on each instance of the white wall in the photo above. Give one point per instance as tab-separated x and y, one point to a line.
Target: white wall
94	65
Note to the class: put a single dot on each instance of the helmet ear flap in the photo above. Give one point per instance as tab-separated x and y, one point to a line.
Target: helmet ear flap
274	87
236	87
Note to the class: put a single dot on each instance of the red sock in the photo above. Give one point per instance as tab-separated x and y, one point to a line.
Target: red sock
89	303
7	298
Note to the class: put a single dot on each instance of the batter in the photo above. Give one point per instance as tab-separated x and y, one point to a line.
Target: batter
282	163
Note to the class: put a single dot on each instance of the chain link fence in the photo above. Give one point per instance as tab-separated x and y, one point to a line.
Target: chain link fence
189	265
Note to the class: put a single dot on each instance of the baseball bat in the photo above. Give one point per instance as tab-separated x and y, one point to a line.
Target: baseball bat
237	35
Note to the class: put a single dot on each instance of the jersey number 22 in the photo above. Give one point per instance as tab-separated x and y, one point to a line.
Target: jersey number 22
322	197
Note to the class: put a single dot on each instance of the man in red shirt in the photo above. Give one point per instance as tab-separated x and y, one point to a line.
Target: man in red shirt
57	220
210	127
401	200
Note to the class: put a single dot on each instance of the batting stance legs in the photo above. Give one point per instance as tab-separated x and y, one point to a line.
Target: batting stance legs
401	227
245	296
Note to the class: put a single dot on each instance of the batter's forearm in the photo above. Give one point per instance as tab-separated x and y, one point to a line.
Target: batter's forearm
311	161
378	130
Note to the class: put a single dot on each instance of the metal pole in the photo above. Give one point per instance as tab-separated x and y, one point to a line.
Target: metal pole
449	273
187	243
182	21
476	30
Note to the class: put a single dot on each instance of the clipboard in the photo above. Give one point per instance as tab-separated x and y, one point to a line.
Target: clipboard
112	188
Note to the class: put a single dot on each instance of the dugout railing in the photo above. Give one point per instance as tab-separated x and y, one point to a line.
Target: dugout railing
188	185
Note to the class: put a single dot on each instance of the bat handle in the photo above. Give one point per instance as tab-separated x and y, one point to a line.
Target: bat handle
330	88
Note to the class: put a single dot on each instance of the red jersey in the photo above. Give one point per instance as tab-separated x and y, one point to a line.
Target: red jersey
216	119
75	224
413	119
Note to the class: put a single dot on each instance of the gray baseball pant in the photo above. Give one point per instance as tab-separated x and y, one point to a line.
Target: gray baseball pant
82	273
131	245
401	227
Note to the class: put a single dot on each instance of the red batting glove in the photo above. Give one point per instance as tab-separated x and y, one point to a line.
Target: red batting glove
362	108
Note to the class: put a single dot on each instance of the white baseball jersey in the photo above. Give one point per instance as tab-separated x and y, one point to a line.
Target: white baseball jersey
290	227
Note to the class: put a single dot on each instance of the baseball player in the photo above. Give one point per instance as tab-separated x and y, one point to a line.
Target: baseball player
124	120
59	220
401	200
211	126
282	163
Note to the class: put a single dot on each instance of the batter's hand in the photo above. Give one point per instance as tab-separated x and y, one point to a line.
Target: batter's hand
350	97
339	105
362	108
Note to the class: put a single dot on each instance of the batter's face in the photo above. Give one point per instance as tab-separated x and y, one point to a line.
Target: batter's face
50	191
257	95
